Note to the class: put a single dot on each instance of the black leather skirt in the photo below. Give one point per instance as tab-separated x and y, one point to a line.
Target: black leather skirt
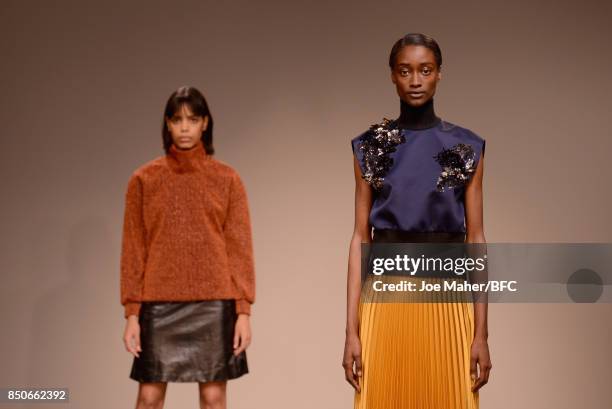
188	342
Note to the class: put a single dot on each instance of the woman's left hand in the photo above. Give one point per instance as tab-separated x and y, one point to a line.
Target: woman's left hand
242	334
480	356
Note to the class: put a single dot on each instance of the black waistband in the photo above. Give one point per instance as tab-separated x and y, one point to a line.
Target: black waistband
402	236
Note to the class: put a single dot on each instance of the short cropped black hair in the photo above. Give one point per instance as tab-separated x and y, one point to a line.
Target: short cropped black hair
415	39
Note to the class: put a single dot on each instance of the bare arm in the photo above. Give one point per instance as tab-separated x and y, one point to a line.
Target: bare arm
361	234
475	234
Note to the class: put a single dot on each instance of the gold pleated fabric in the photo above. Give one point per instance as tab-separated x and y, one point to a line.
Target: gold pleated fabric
415	355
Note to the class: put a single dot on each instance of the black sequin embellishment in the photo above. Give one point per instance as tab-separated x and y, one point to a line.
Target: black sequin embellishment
376	145
457	165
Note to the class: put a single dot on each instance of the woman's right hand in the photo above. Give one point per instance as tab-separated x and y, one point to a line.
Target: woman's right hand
352	360
131	336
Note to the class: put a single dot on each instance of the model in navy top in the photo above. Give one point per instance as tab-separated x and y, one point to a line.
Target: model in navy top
416	195
418	178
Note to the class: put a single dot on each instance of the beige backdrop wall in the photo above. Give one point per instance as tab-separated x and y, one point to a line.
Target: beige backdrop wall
289	84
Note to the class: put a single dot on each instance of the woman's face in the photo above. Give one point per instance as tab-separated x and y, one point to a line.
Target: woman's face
186	128
415	74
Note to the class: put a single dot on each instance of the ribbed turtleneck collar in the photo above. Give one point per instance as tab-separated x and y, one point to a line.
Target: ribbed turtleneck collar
421	117
187	160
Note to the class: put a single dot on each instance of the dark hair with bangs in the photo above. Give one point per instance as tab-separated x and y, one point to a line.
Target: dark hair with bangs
196	102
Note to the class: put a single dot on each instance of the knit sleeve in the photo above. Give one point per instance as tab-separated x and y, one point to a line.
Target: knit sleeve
133	248
238	241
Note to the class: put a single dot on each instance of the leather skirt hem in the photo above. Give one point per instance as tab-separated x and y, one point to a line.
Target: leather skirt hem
193	377
188	342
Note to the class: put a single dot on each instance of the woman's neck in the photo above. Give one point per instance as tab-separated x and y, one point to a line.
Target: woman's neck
421	117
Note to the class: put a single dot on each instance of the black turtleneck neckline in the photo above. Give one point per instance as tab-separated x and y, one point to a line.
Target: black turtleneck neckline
422	117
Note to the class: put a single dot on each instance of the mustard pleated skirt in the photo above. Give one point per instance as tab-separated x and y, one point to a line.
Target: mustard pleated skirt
415	355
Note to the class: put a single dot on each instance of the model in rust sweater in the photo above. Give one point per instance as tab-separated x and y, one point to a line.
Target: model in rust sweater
186	233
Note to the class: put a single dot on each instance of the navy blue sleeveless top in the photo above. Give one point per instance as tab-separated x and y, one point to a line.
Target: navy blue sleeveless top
418	177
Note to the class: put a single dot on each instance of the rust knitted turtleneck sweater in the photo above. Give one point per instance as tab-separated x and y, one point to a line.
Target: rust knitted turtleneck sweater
186	233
